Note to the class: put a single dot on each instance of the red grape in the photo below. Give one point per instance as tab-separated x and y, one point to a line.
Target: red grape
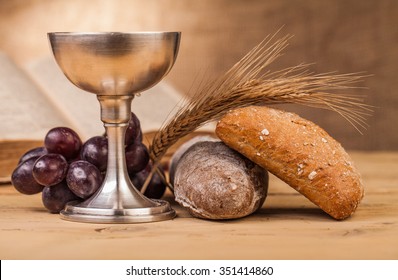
64	141
22	178
156	186
133	131
66	169
54	198
137	157
39	151
95	151
50	169
83	178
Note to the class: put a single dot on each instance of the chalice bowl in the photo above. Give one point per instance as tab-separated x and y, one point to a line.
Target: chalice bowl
116	66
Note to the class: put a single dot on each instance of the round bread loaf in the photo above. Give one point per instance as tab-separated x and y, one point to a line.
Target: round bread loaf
214	182
298	152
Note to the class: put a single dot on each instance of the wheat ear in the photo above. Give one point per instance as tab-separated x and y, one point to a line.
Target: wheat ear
247	84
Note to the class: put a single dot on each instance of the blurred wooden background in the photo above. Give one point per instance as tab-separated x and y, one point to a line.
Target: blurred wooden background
335	35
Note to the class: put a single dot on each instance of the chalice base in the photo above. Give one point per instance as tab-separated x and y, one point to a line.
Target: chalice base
77	212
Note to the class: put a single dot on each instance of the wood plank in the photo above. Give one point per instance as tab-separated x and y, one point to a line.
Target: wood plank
287	227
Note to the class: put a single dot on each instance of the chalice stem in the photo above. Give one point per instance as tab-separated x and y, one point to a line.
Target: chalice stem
115	114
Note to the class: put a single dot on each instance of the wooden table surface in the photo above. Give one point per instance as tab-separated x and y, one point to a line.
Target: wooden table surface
287	227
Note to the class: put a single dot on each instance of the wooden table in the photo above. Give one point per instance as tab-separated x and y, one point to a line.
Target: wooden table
287	227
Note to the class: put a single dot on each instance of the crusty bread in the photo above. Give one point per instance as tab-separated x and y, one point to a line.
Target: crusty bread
215	182
297	151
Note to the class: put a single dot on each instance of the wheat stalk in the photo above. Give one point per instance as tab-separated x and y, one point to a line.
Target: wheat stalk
245	84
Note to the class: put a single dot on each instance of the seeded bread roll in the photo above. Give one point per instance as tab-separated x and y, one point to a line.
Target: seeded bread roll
214	182
298	152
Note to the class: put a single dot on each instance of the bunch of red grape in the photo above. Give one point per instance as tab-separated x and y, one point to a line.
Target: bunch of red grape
66	169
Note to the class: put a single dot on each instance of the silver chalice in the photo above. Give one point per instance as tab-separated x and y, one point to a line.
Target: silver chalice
116	66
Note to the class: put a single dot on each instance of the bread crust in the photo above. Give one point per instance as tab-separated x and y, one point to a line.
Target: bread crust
182	149
215	182
298	152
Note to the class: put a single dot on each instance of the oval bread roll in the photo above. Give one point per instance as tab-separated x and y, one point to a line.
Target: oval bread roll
215	182
298	152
